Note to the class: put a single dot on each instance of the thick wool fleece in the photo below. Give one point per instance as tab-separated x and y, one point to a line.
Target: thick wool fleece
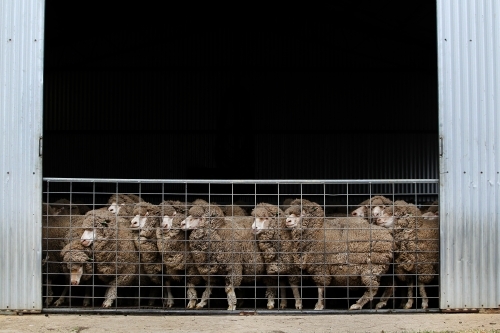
345	251
75	252
224	247
115	256
146	243
417	242
276	242
169	207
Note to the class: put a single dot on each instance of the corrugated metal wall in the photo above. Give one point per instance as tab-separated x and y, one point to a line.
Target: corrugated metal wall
21	80
469	81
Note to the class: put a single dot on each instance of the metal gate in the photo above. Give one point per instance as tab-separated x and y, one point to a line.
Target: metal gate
213	246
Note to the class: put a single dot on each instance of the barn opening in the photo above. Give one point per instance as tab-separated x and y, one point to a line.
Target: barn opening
344	91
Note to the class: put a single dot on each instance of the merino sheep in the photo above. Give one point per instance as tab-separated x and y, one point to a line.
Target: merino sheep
78	262
176	256
115	256
343	251
146	218
417	248
58	227
367	207
222	246
234	210
123	204
276	245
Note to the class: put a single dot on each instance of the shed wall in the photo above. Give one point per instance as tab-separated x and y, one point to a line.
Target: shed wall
469	81
21	80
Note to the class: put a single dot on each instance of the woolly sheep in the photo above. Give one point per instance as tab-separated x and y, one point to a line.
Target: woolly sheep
123	204
344	251
275	243
222	246
78	262
115	256
58	226
146	219
417	248
169	208
368	208
176	256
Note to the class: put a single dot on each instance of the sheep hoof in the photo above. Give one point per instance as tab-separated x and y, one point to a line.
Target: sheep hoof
191	304
59	302
200	305
355	307
86	303
107	304
283	304
169	303
424	305
298	306
408	305
231	307
270	305
380	305
319	306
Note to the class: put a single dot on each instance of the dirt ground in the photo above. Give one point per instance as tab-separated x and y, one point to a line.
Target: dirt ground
243	322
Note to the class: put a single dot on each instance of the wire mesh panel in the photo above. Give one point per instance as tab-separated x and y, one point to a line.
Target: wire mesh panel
212	246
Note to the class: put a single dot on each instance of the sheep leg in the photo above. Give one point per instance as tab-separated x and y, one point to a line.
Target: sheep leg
62	298
270	294
192	296
110	296
320	304
371	284
50	293
296	295
284	301
170	297
388	292
231	297
423	294
409	303
88	296
204	297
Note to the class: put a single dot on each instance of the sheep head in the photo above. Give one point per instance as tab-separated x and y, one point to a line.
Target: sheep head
78	261
401	212
303	213
265	217
175	227
146	217
118	201
100	225
168	211
207	216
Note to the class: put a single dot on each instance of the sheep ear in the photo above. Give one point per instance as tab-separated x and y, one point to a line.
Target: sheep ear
303	213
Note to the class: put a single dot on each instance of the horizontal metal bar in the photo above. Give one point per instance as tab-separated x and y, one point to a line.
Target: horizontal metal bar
243	181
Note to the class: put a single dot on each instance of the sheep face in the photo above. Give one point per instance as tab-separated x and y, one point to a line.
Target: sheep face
115	207
167	221
76	272
385	219
360	211
260	224
294	220
192	222
88	237
139	221
377	211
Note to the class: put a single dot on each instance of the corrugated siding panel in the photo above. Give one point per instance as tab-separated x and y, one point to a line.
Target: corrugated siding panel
469	80
21	79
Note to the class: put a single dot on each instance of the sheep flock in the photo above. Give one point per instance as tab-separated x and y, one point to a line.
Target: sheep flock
128	253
